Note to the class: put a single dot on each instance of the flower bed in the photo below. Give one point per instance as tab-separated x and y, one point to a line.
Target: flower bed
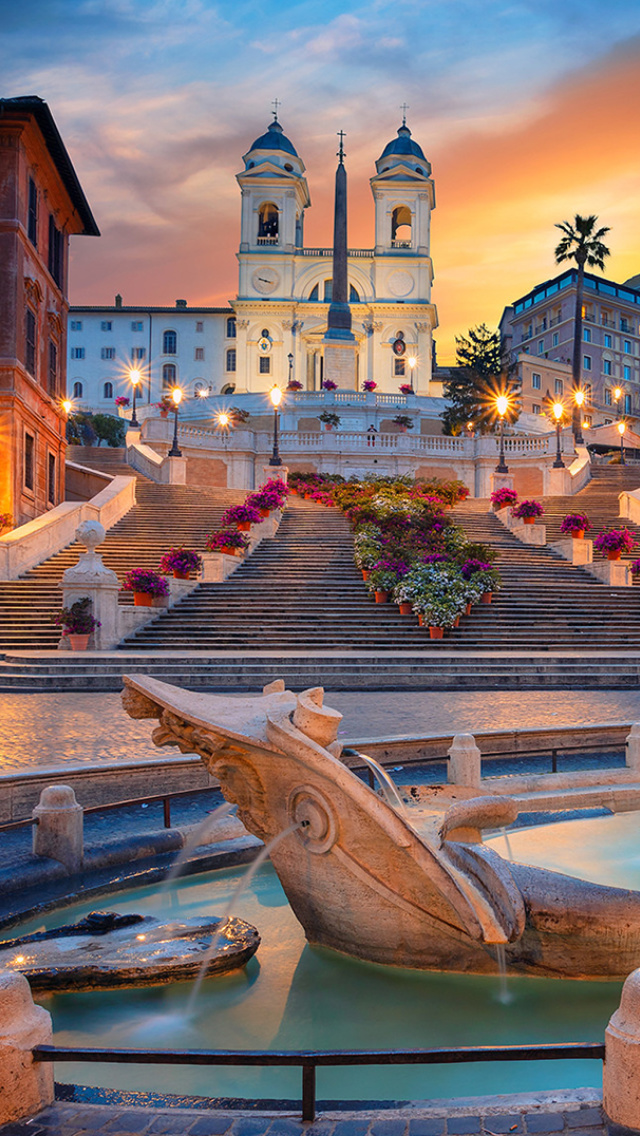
227	540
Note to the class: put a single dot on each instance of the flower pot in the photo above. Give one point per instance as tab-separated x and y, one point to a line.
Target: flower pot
421	619
467	610
578	534
529	520
614	555
180	575
436	632
382	597
366	572
264	513
164	413
406	608
142	599
328	426
227	551
78	642
243	526
456	622
486	597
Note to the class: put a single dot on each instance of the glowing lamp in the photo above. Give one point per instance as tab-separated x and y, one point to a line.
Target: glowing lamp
502	405
578	397
558	411
275	394
622	427
135	376
67	406
223	420
412	361
176	395
617	394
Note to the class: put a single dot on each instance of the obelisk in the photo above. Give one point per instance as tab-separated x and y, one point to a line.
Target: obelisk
339	341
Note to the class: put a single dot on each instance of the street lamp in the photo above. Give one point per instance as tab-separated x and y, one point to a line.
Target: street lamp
502	405
558	414
176	396
223	421
290	362
275	394
134	377
413	363
67	406
622	427
578	398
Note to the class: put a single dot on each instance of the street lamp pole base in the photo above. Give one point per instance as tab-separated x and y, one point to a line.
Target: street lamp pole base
275	461
502	467
558	465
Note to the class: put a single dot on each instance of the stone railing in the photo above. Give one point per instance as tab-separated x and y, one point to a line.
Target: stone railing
352	398
165	470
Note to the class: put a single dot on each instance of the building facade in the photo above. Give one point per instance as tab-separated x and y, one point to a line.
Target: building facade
274	329
41	206
539	330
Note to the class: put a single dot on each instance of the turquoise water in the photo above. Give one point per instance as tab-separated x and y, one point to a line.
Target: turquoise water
293	996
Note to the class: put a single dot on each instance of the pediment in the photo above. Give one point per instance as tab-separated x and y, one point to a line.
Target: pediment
400	173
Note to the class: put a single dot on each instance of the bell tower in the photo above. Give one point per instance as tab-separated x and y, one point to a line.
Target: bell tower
404	196
274	194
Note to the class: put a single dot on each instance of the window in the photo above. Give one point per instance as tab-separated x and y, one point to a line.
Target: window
541	347
398	366
169	343
106	325
535	409
626	347
587	392
29	453
265	333
51	479
559	386
136	325
401	227
75	325
53	368
627	404
199	326
107	390
354	295
231	328
199	354
169	375
626	372
77	390
268	224
107	352
586	362
607	421
228	388
265	365
536	381
606	366
624	325
588	422
607	340
32	216
607	397
55	252
586	334
313	294
138	354
555	339
231	359
77	352
30	346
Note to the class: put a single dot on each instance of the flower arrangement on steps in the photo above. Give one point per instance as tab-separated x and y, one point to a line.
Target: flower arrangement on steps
384	577
242	516
228	541
273	495
77	623
577	524
145	585
369	385
527	511
181	561
500	498
613	543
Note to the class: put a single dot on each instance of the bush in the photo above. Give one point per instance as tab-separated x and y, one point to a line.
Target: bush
77	619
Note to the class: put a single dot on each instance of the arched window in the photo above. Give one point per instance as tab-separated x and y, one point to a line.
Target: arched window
328	291
228	388
199	388
268	221
169	375
77	390
401	227
313	294
169	343
230	362
107	390
354	295
231	328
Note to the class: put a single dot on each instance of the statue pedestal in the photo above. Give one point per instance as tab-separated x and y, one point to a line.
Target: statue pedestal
340	362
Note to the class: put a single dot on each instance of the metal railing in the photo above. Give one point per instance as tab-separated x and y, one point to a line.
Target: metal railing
166	799
309	1060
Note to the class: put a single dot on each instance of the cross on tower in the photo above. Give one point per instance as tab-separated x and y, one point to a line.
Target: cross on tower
404	108
341	153
275	104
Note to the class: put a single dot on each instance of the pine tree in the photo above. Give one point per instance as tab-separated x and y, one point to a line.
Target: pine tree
482	371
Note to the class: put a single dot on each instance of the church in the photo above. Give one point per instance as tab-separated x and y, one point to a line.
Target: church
275	330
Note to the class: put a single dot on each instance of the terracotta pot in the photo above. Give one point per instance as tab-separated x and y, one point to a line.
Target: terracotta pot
142	599
382	597
486	597
243	526
436	632
529	520
406	608
366	572
328	426
578	534
78	642
227	551
614	555
421	619
468	609
264	513
180	575
164	413
456	622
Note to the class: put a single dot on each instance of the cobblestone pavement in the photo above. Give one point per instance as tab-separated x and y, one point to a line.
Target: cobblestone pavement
49	731
75	1120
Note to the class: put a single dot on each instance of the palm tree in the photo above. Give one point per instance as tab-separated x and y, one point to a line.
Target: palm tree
582	243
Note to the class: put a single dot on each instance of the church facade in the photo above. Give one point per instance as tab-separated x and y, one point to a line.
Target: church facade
274	330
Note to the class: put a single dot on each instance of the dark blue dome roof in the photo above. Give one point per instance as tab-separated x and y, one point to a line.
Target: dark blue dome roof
403	144
274	139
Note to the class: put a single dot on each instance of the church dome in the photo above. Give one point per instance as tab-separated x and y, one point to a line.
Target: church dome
274	139
403	145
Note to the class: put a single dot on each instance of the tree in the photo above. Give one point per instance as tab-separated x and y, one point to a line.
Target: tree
582	243
109	428
80	430
483	370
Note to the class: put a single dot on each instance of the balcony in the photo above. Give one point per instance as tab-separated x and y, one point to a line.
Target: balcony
606	322
555	320
267	241
401	244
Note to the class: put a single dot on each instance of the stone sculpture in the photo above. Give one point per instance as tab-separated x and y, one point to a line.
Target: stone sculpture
364	879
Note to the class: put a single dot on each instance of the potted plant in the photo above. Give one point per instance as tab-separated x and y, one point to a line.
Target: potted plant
238	417
181	561
273	495
6	523
613	543
122	400
294	385
406	388
500	498
230	542
77	623
369	385
482	577
330	420
145	585
384	576
329	385
163	406
404	422
527	511
577	524
242	516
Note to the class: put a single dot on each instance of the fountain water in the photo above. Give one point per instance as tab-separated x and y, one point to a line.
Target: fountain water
193	840
389	791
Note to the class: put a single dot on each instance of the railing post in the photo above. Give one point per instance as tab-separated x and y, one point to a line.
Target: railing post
554	761
167	812
308	1092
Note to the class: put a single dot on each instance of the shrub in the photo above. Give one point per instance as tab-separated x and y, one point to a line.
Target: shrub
77	619
329	418
403	420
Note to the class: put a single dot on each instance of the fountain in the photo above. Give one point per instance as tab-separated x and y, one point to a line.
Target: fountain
370	882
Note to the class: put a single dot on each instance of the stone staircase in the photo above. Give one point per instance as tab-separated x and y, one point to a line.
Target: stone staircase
106	459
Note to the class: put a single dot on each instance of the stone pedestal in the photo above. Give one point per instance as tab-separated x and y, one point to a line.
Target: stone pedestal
89	577
615	573
25	1087
270	472
58	832
177	471
529	534
621	1074
501	481
464	762
217	566
632	751
576	551
340	362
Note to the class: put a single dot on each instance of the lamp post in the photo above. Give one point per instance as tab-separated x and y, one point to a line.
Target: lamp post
290	362
413	363
134	378
622	427
223	421
176	395
578	398
502	405
67	406
275	394
558	414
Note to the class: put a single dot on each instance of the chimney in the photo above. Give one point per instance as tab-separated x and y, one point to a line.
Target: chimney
118	301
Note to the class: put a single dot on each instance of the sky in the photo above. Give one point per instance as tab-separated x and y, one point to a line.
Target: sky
528	110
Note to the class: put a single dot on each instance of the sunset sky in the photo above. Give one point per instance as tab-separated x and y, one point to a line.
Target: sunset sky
528	110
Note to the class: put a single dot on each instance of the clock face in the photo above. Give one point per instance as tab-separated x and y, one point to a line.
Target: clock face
265	280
